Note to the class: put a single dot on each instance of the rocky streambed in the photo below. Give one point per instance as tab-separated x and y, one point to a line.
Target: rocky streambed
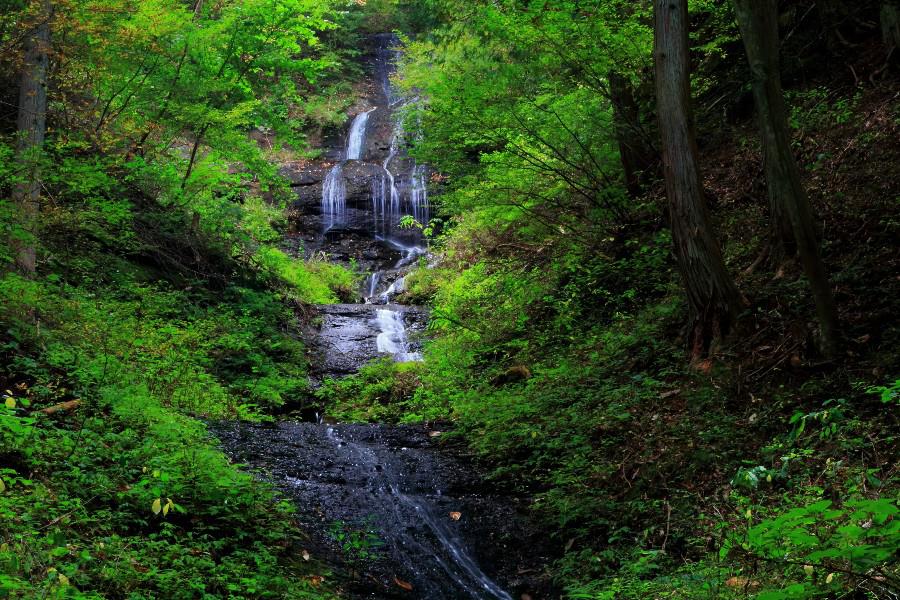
418	520
400	512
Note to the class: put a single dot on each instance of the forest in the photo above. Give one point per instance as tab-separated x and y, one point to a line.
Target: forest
448	300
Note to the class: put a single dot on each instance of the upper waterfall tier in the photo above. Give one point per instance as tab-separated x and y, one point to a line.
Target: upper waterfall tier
349	205
357	139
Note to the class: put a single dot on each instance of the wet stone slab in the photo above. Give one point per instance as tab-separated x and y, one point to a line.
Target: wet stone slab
439	526
346	336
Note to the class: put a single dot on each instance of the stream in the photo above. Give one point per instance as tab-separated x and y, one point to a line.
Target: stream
421	520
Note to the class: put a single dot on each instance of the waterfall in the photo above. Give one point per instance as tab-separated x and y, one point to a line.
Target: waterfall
386	65
390	211
419	194
392	339
334	189
379	196
356	141
391	199
372	284
334	198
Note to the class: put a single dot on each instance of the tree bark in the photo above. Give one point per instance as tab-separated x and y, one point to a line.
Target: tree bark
31	128
758	20
890	24
633	151
713	297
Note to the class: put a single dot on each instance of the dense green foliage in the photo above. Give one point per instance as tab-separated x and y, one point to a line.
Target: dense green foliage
556	343
558	349
161	295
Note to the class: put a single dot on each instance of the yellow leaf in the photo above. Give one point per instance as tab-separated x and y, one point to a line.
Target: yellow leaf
830	578
166	509
2	486
749	513
808	569
10	402
157	506
63	580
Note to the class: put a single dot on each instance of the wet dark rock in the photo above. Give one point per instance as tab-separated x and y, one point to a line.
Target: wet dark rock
443	527
345	337
400	481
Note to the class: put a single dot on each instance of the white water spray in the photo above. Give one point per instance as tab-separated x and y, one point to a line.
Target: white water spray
334	189
356	140
392	339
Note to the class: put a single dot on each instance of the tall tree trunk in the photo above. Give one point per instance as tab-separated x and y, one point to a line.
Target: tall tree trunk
890	24
713	297
758	20
633	151
31	128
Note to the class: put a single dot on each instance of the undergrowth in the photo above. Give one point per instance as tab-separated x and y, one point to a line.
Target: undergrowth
760	473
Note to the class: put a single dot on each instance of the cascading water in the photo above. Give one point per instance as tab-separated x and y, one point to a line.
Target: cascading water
398	286
356	140
348	474
394	481
393	339
453	559
405	193
419	194
334	198
334	189
372	282
386	204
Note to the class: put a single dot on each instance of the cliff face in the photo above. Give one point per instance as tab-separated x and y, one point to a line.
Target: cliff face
360	221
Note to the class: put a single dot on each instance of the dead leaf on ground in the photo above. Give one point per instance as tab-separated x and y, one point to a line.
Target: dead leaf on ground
435	434
704	366
305	555
316	580
741	582
456	516
403	584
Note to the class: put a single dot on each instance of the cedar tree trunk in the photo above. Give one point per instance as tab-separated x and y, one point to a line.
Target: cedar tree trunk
31	128
713	297
758	20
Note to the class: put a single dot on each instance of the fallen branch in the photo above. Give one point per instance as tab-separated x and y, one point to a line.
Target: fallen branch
69	406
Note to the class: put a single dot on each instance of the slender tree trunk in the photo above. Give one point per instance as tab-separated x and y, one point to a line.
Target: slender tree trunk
713	297
890	24
198	139
31	128
634	153
758	20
